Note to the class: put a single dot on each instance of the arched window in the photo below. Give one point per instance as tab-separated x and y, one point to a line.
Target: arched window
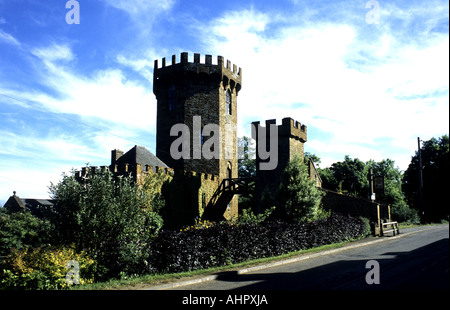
229	175
228	102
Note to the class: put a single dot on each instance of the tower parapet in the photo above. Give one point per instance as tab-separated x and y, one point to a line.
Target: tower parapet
224	71
289	133
293	129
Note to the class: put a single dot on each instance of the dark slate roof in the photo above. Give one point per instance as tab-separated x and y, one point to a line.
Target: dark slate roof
140	155
32	203
36	206
14	203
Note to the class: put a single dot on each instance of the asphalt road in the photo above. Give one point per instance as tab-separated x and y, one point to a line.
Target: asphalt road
416	259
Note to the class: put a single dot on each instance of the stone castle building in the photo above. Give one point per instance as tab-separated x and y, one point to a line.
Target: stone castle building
196	145
283	142
197	104
192	96
203	97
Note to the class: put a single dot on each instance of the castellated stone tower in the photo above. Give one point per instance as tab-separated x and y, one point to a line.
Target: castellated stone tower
198	94
282	144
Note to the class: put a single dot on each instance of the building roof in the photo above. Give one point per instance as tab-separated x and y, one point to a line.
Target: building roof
140	155
35	206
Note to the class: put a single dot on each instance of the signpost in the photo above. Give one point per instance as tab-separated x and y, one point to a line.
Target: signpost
376	185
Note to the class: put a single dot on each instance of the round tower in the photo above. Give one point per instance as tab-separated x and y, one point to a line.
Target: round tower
200	98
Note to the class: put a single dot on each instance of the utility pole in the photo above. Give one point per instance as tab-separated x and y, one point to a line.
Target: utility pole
421	206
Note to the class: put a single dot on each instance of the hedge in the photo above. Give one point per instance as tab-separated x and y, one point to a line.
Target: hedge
224	243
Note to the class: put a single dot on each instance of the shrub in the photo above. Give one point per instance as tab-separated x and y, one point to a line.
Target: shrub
44	268
151	186
224	243
108	216
21	229
298	197
199	224
248	217
401	212
367	228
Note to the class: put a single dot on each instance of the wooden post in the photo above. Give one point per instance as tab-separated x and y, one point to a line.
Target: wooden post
379	220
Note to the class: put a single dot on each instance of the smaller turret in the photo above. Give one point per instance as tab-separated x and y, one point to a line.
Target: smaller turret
276	146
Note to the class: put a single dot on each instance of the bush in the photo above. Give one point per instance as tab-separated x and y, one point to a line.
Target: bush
404	214
21	229
224	243
298	198
41	268
248	217
110	217
367	228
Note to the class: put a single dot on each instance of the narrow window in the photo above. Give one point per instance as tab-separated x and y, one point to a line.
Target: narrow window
202	138
172	97
228	102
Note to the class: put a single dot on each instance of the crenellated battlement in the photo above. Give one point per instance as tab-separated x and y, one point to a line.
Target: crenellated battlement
226	71
137	171
294	128
288	127
184	60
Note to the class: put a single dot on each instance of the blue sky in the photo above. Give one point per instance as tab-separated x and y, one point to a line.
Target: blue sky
70	93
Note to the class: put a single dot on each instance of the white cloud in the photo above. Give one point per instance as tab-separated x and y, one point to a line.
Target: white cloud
35	160
370	91
8	39
105	95
361	91
53	53
27	182
143	66
40	149
107	109
142	8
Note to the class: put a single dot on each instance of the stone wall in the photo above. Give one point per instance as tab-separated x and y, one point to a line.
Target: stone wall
314	174
356	207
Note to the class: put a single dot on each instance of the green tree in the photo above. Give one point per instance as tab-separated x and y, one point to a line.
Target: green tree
392	180
349	176
298	197
309	156
246	161
435	163
20	230
393	193
328	179
106	216
246	169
